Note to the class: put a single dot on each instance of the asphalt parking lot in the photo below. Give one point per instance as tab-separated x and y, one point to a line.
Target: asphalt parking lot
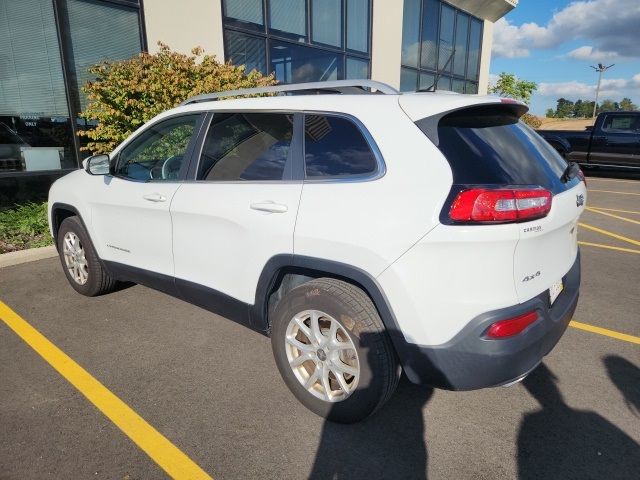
199	394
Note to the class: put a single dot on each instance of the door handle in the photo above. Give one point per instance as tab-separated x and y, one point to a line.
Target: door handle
154	197
269	206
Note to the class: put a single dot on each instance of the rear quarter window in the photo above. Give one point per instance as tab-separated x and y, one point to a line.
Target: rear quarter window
336	148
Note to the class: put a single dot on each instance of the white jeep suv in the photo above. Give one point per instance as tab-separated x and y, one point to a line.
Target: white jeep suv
366	232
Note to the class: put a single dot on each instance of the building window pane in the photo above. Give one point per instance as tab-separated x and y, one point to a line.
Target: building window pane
335	147
100	32
444	83
326	22
357	68
295	63
457	85
288	16
244	10
460	57
35	128
31	79
245	50
408	80
426	80
358	25
430	16
447	21
471	87
411	32
475	41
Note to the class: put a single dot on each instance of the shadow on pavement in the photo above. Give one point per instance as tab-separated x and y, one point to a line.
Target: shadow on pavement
626	376
559	442
388	445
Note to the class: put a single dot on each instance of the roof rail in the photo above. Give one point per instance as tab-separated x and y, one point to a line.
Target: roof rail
336	86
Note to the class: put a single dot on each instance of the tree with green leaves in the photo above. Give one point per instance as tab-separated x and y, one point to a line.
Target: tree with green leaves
627	105
508	85
564	108
550	113
126	94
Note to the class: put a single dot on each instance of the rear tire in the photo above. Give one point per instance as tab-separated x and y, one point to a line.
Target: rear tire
80	262
349	341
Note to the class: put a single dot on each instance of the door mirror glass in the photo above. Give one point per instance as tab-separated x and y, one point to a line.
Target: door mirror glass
97	165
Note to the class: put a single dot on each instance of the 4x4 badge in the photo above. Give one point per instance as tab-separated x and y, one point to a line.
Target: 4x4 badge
579	200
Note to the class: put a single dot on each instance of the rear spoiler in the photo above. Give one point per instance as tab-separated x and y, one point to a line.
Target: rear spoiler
507	107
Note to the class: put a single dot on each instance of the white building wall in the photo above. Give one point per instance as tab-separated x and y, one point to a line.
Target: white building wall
184	25
386	41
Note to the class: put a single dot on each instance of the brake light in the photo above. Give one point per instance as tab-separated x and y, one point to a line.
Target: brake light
500	205
511	326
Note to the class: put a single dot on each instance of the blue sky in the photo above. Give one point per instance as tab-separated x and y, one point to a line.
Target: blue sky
553	42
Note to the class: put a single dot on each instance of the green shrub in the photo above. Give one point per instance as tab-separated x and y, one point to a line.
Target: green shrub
128	93
24	226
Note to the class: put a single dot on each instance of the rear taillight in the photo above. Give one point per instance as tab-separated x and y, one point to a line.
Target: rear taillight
500	205
582	177
511	326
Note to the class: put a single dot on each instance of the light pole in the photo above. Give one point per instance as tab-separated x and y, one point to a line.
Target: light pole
600	69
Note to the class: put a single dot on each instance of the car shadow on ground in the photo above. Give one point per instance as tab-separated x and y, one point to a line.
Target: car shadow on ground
388	445
559	442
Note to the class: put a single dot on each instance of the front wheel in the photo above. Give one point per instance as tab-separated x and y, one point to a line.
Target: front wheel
333	351
80	261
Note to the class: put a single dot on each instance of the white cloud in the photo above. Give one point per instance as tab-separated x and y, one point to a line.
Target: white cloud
614	88
610	25
587	52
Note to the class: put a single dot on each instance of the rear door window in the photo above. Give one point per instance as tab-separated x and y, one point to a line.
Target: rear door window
336	148
621	123
246	147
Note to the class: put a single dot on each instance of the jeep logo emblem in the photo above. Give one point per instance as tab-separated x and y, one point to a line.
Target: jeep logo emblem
579	200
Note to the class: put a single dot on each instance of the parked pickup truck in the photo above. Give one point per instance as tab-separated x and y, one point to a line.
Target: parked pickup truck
614	141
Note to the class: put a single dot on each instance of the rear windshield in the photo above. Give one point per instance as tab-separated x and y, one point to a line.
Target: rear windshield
489	145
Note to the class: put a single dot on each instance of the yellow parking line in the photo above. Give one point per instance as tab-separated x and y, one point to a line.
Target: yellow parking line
611	234
616	210
153	443
611	191
605	331
613	216
610	247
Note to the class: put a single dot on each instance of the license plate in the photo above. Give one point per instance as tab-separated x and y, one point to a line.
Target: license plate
555	290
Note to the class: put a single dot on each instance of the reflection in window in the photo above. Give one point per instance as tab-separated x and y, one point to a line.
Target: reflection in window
448	41
246	146
411	32
296	64
357	68
246	50
158	152
301	40
335	147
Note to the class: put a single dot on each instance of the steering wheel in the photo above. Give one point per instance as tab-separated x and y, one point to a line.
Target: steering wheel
171	167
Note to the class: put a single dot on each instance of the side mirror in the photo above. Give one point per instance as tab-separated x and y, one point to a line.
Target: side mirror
97	165
588	128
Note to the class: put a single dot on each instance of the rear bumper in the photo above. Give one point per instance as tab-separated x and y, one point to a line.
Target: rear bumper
470	361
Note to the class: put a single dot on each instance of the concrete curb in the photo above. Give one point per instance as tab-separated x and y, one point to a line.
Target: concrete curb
24	256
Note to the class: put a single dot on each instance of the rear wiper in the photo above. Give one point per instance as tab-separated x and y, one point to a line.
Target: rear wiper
570	172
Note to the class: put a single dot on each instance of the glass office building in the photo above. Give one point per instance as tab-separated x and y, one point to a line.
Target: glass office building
46	47
300	41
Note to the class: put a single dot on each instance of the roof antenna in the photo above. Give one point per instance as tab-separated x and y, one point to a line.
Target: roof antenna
432	87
